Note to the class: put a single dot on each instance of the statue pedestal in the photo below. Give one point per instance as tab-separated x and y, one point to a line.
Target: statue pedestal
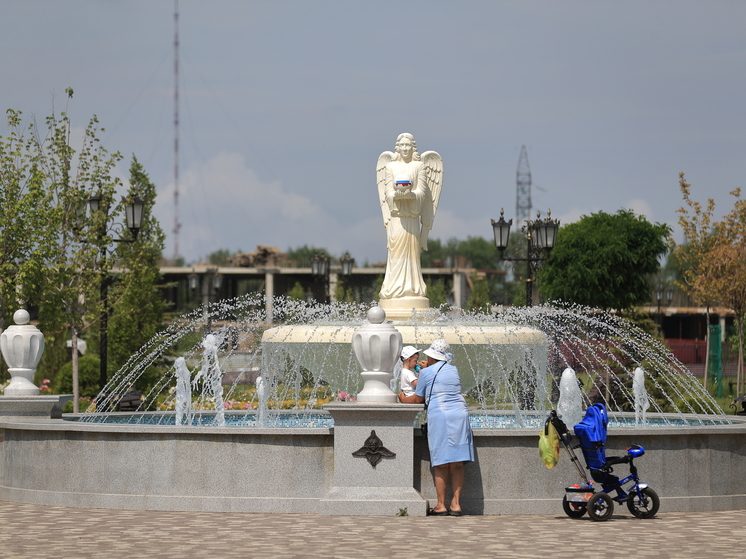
39	406
373	460
402	308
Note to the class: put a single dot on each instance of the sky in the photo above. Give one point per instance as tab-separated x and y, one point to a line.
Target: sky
286	105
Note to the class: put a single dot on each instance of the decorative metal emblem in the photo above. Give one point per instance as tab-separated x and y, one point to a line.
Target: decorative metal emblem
373	450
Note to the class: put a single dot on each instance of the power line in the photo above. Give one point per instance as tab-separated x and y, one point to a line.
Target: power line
177	223
522	189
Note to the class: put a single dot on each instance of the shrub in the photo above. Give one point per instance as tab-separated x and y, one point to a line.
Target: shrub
88	377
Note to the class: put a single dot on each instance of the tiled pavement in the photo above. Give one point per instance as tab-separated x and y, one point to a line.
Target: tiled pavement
41	532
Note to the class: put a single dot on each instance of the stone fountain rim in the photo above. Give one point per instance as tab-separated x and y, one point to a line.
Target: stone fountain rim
29	423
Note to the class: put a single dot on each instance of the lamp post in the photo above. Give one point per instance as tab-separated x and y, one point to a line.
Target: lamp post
540	236
320	269
133	214
346	264
660	293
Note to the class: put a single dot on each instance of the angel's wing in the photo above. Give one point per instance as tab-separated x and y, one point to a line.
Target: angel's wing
432	166
383	160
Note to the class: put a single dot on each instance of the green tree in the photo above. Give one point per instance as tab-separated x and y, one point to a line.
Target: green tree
58	265
479	296
436	293
478	251
136	300
25	212
220	257
297	292
42	197
725	269
604	260
302	256
696	277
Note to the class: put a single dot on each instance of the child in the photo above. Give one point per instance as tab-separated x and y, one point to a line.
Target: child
408	376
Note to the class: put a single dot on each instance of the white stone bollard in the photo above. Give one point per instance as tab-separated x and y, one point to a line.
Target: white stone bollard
22	345
377	346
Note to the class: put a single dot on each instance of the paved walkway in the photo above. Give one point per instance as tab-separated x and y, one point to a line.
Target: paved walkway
40	532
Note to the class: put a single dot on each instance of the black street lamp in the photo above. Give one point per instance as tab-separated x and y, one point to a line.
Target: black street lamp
660	293
346	263
540	236
133	213
320	269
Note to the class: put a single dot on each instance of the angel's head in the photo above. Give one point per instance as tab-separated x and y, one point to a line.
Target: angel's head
406	147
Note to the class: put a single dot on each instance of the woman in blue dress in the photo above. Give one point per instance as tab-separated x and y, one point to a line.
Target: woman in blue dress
448	432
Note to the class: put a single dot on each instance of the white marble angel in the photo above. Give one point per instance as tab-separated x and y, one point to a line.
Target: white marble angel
409	188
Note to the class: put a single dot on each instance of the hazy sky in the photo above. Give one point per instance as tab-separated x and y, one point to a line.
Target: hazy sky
285	106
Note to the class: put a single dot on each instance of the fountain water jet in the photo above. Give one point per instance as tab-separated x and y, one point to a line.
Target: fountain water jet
570	403
642	402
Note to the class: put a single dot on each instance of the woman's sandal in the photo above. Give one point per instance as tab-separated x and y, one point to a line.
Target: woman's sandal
433	512
455	512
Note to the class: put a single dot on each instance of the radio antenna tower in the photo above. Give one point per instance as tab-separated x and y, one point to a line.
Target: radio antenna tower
177	223
522	189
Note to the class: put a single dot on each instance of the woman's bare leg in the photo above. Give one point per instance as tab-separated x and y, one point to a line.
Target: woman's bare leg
440	473
457	484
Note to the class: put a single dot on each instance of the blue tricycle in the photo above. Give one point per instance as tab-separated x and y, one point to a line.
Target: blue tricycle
582	497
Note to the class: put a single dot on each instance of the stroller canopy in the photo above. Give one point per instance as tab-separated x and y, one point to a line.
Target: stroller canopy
591	432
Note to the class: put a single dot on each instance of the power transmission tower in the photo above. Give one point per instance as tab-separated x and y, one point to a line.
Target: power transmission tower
522	189
177	223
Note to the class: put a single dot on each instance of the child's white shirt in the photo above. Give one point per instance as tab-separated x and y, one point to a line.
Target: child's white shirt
405	381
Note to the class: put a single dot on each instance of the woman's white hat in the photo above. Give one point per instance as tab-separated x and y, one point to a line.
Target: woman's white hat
408	351
439	350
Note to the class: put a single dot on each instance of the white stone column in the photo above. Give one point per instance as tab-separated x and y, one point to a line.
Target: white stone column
269	293
333	280
459	300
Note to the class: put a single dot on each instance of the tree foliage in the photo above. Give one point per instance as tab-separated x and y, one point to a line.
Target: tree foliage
220	257
714	259
136	300
604	260
52	256
479	296
302	256
436	293
697	223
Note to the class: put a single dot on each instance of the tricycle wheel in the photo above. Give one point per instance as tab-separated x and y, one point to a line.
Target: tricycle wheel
600	507
573	509
643	504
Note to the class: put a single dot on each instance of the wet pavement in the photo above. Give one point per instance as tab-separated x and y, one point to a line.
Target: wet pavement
41	531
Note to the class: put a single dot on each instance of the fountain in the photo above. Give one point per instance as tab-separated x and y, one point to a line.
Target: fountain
299	446
183	396
570	403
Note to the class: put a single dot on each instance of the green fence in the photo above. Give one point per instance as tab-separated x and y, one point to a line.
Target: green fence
715	359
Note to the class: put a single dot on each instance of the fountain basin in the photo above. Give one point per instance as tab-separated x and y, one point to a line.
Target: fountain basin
151	467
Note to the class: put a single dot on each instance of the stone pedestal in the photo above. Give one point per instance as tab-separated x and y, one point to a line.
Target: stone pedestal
373	461
402	308
40	406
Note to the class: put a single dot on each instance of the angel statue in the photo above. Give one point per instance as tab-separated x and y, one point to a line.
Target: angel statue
409	188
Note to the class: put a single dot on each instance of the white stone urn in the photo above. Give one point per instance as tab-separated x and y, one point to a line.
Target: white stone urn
377	346
22	345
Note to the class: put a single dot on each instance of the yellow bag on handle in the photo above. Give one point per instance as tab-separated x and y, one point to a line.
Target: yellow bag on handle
549	446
